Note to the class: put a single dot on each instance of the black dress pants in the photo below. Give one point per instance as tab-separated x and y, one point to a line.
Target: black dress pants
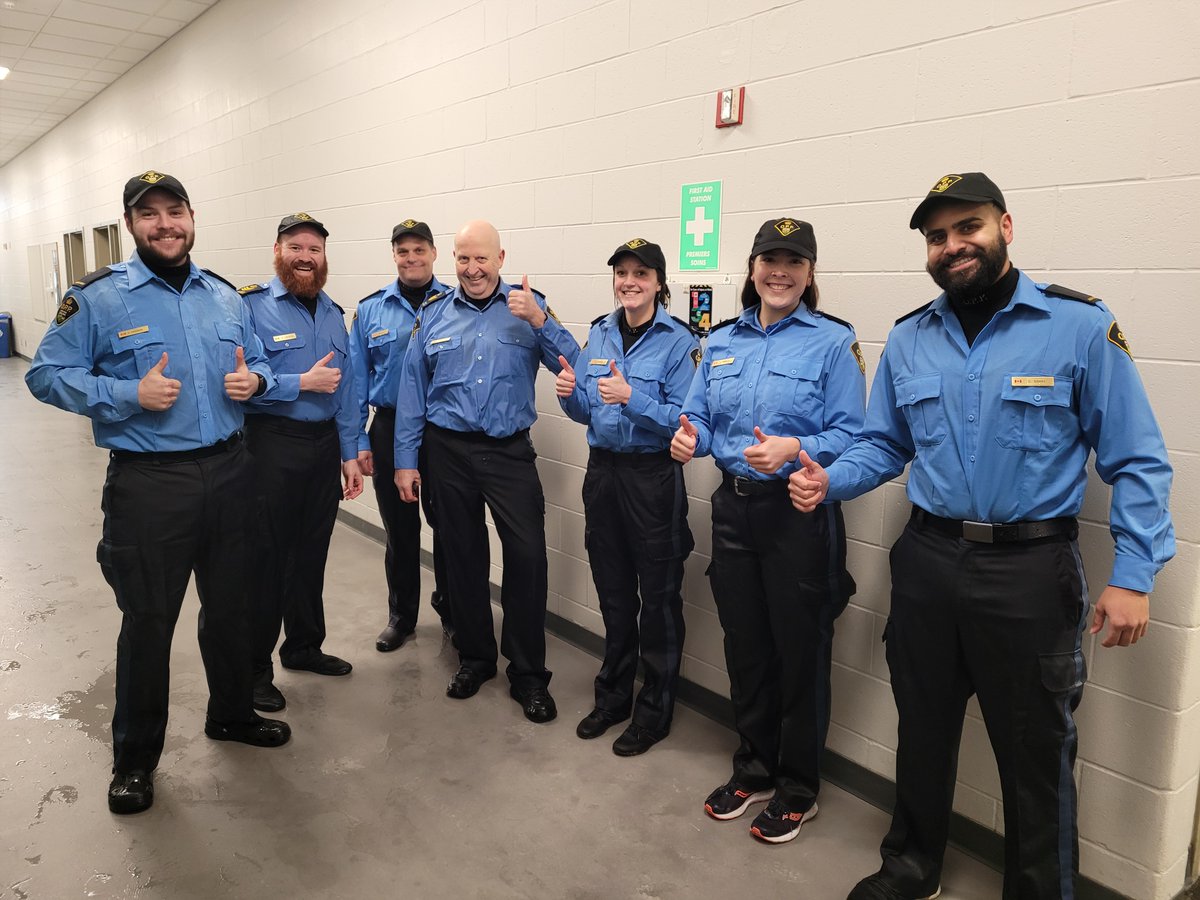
165	518
637	538
1004	622
297	474
402	527
470	470
779	580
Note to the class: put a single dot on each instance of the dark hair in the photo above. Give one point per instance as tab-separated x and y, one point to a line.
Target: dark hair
664	292
750	293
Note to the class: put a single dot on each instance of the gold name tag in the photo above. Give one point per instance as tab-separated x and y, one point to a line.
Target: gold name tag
723	362
1033	381
279	338
129	332
598	362
438	341
380	333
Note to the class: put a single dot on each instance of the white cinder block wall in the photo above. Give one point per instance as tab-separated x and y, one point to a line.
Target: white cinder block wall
571	124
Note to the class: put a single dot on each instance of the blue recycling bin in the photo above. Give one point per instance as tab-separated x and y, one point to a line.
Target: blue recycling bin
6	343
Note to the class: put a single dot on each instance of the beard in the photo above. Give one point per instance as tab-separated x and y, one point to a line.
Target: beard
967	287
299	282
151	257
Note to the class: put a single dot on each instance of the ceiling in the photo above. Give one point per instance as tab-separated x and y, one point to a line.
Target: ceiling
64	52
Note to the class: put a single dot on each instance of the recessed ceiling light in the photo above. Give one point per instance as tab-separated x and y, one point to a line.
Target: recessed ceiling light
4	70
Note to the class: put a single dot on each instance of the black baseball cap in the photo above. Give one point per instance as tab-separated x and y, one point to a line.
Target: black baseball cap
650	254
969	187
412	226
788	234
137	186
295	220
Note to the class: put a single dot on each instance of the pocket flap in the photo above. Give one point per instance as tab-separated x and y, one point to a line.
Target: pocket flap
379	338
517	338
438	345
1038	390
725	367
136	337
803	368
918	388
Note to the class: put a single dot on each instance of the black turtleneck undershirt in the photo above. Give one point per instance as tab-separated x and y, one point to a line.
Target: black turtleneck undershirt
975	312
175	276
629	334
414	295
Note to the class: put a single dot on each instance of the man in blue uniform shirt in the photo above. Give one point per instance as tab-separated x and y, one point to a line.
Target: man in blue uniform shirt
997	392
467	397
379	336
299	433
160	355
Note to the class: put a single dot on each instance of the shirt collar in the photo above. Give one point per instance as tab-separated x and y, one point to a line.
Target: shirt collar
801	315
1026	294
392	291
278	291
139	273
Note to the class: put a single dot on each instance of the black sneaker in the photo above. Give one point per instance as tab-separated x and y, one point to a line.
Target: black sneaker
731	800
873	887
777	824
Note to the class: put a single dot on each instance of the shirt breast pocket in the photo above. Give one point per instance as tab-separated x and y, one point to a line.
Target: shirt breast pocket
596	369
920	399
724	384
794	386
1037	418
144	349
279	343
445	358
647	376
380	347
516	350
229	338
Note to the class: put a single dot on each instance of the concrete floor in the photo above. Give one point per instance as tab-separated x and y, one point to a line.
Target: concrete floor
388	788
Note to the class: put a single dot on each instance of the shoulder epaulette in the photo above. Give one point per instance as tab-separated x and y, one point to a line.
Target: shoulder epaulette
1055	290
600	318
537	292
723	324
372	295
434	298
915	312
92	276
825	315
218	277
337	306
688	325
247	289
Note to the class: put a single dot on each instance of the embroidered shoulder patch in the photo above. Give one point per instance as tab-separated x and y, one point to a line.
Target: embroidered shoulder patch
857	351
696	356
66	309
1116	336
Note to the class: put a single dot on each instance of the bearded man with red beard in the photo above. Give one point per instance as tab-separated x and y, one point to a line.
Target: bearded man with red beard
299	433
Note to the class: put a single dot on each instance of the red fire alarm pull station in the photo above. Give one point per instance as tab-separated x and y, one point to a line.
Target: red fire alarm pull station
729	106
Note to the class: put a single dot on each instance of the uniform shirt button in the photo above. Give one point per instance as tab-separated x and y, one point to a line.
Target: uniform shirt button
479	357
479	381
970	418
195	355
912	396
971	377
1037	396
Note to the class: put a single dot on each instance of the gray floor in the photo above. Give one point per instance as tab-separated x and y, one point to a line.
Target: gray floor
388	787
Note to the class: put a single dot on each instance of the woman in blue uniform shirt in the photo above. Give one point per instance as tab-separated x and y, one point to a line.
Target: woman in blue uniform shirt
778	378
627	386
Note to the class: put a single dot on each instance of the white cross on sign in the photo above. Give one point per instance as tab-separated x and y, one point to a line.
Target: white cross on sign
699	227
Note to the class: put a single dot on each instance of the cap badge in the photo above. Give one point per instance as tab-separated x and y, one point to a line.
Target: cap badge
409	223
786	226
302	216
151	177
945	183
635	243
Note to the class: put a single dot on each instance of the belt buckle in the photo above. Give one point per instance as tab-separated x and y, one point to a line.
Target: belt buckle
738	482
979	532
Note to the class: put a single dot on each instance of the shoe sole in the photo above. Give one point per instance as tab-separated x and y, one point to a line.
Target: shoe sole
222	736
756	797
791	835
270	707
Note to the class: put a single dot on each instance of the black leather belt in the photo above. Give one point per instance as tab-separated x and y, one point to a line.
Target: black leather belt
998	533
387	411
176	456
284	425
753	487
604	457
476	437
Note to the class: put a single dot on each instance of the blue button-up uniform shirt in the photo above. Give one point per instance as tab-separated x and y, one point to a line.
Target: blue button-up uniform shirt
1000	431
799	378
294	341
91	364
471	369
659	368
379	338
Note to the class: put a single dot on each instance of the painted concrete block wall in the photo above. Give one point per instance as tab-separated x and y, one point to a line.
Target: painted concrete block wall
572	123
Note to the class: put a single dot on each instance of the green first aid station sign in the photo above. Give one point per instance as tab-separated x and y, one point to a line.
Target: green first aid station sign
699	226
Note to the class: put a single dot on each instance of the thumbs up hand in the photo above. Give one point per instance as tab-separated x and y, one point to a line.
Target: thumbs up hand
771	451
808	485
322	378
523	304
156	392
683	444
614	389
564	383
241	383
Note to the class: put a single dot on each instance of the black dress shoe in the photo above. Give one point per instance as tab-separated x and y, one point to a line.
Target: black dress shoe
635	740
596	723
320	663
259	733
268	698
536	703
466	683
391	638
131	792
